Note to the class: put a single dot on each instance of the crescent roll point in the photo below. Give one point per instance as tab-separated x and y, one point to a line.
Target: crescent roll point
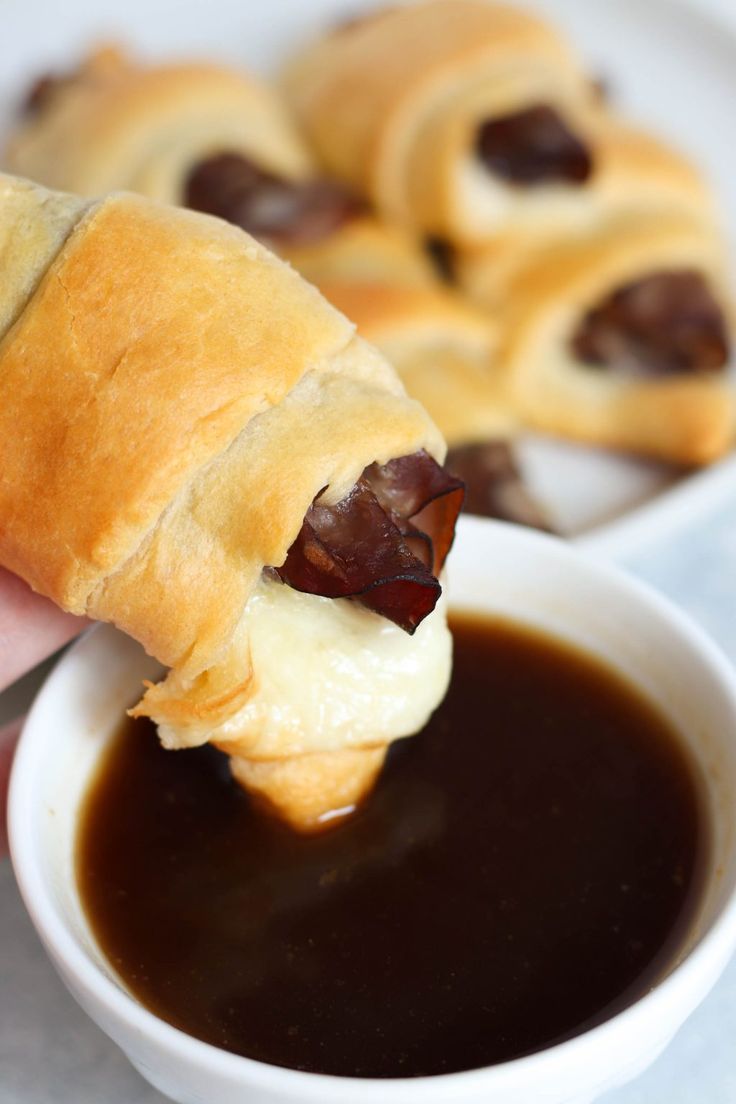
398	106
621	340
174	398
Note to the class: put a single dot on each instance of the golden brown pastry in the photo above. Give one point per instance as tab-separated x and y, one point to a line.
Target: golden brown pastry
446	355
469	120
443	350
364	250
622	340
119	123
174	400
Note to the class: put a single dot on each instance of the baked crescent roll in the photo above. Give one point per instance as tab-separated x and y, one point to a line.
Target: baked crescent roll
197	448
469	120
118	123
622	341
446	355
196	135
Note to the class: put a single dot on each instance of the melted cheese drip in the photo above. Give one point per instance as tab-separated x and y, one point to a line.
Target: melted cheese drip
329	675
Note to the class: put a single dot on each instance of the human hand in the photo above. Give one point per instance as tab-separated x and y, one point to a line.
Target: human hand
31	628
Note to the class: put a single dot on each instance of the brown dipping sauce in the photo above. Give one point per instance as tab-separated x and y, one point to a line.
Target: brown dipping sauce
526	868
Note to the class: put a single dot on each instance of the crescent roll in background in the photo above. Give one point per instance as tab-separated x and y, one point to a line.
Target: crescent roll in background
198	449
471	120
623	341
442	348
191	134
119	123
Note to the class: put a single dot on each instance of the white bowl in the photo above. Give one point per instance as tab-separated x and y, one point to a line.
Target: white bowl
496	568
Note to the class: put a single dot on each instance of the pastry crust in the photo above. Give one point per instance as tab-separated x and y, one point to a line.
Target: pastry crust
393	106
299	790
443	349
118	123
173	398
364	251
686	419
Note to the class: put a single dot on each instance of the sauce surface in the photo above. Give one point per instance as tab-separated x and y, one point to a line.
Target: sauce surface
526	867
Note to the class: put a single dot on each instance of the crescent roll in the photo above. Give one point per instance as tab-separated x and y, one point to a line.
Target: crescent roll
622	340
117	123
468	120
443	350
197	448
196	135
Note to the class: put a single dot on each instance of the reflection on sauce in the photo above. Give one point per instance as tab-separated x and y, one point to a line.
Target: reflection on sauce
525	868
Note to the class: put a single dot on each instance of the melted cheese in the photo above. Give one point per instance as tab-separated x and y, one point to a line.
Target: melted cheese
329	675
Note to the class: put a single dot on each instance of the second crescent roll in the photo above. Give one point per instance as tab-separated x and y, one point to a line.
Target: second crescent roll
622	340
443	348
194	134
636	176
468	120
174	400
364	250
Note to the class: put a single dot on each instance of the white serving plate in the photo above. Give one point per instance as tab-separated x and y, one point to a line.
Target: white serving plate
669	65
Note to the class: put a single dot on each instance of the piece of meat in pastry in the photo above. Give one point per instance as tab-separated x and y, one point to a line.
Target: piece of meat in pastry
467	120
197	448
623	341
191	134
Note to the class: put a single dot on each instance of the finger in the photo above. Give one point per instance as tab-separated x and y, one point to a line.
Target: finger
31	628
8	739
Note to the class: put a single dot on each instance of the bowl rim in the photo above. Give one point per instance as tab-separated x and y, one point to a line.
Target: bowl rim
714	945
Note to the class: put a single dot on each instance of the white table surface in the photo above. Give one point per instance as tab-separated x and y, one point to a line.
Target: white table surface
50	1053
